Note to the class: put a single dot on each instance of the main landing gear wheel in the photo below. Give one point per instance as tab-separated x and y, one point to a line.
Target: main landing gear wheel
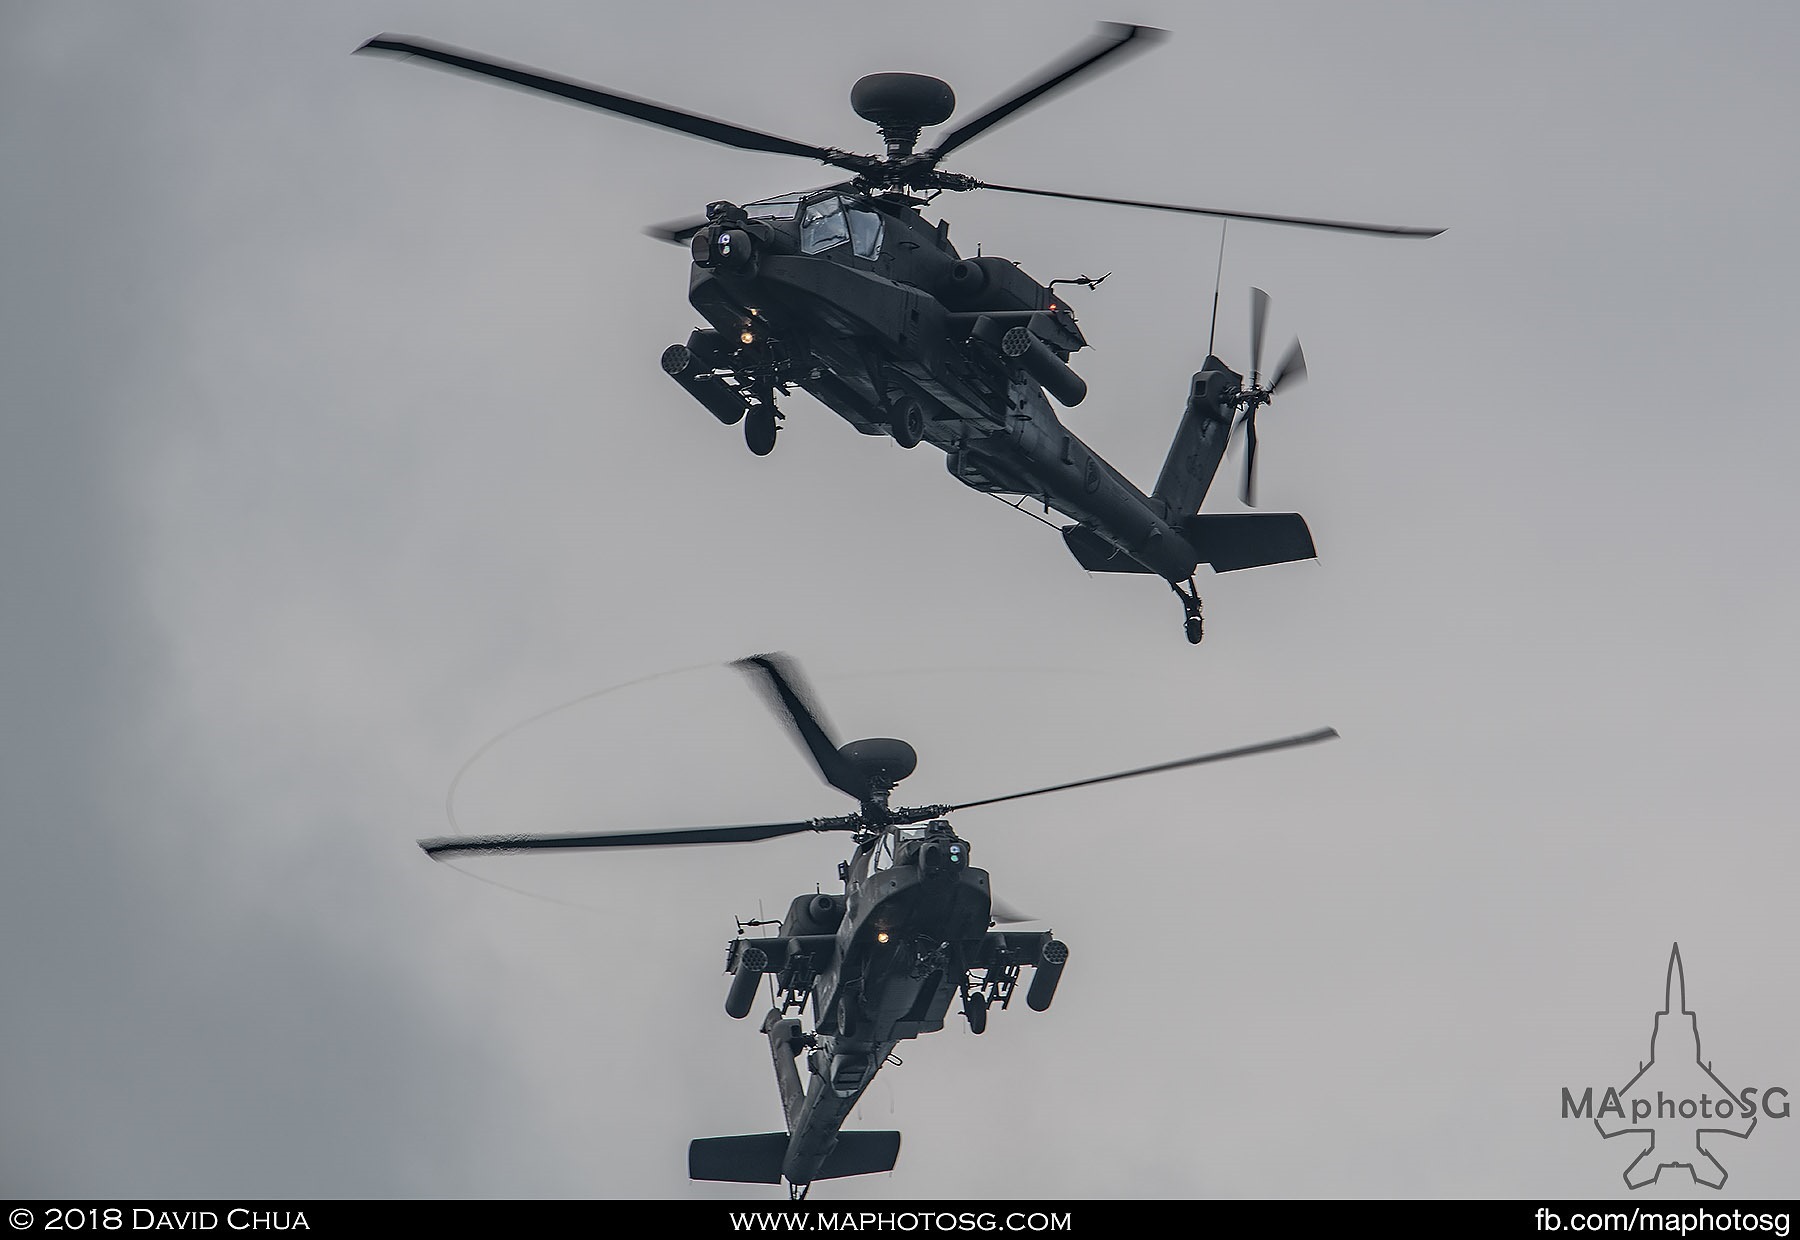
1190	604
908	423
760	429
975	1009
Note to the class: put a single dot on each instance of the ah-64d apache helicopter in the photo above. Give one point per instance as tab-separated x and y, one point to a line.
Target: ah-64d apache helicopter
913	932
848	293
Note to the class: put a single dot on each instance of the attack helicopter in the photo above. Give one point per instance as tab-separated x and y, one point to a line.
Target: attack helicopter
848	293
915	930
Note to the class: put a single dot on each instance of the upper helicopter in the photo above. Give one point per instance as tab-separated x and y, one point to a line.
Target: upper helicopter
915	930
848	293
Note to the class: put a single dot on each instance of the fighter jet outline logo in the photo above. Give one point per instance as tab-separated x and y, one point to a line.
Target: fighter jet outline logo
1685	1116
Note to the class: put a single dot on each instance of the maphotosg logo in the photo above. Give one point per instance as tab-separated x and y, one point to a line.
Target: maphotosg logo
1675	1105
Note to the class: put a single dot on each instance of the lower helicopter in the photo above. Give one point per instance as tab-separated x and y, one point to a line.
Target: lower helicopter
915	930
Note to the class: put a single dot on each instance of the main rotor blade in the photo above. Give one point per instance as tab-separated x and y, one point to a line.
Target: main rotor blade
448	846
1291	368
1291	742
1004	914
608	101
1298	221
779	677
677	232
1111	39
1259	315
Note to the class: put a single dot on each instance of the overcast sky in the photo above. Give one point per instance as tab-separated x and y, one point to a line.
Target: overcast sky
335	445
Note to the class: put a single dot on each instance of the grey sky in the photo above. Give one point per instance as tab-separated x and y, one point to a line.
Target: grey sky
335	444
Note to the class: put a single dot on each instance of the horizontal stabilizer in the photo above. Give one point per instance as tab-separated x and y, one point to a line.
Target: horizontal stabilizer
757	1158
1232	540
862	1153
1097	555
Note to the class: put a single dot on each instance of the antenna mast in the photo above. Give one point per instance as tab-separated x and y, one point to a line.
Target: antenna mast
1213	331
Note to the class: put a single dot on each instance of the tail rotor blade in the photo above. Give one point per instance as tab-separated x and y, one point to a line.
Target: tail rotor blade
1291	369
1247	488
1259	315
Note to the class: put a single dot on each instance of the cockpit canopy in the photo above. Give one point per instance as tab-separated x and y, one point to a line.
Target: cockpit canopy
827	221
933	846
783	208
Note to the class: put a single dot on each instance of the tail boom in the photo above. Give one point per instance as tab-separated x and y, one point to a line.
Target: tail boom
814	1147
1172	538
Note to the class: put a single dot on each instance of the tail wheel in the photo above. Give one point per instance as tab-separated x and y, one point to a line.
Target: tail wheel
908	423
760	429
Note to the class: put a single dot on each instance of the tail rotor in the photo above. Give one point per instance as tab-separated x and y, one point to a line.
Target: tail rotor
1289	370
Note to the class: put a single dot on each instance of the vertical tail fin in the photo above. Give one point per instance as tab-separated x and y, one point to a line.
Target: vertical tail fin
1199	443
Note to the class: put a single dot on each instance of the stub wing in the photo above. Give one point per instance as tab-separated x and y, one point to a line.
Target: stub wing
1004	947
777	952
